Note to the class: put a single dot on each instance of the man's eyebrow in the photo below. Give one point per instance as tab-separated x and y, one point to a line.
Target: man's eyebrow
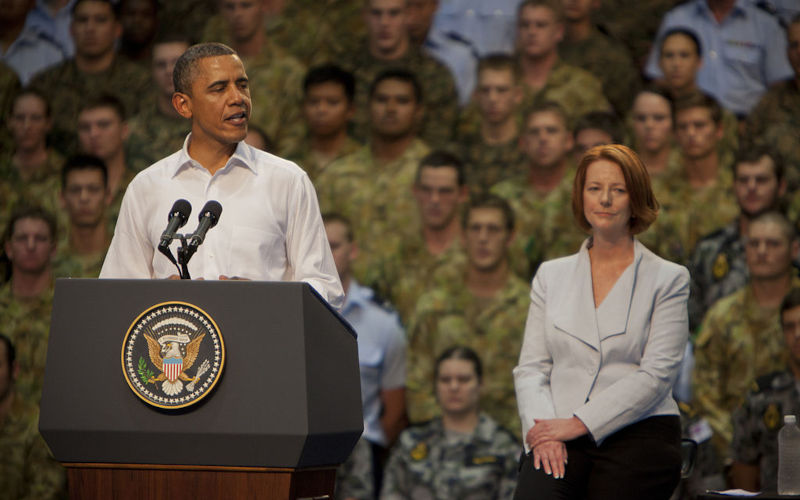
217	83
242	79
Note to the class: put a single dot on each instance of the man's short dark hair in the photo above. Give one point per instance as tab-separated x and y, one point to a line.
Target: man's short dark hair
31	212
173	36
83	162
499	61
401	74
113	5
685	32
11	352
109	101
332	217
791	300
488	200
32	91
697	100
548	107
601	120
459	352
331	73
439	158
185	67
752	153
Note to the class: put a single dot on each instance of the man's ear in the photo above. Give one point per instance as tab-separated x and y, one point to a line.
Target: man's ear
182	104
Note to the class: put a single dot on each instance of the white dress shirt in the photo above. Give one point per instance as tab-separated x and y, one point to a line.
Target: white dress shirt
270	228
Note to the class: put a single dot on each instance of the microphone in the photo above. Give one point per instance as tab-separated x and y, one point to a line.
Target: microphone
177	218
209	216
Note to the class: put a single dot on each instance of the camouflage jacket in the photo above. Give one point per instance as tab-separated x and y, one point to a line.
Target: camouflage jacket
738	342
450	314
428	463
69	88
314	164
718	268
609	61
154	135
27	469
42	188
27	324
757	421
488	164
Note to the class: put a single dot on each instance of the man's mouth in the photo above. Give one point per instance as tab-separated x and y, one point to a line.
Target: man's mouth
237	118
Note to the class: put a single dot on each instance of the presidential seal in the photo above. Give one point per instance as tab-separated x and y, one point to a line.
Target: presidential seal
173	355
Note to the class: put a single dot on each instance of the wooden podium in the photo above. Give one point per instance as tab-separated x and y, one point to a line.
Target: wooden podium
285	412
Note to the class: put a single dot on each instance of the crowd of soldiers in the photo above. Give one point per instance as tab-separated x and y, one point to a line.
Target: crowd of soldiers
442	137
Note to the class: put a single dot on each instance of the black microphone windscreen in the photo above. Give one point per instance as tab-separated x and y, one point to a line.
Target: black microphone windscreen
183	208
213	209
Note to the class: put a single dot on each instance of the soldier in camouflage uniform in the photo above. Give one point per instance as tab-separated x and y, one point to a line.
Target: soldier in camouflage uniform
85	198
463	454
492	154
404	272
372	187
354	477
634	23
29	169
463	309
328	93
394	50
541	197
26	300
544	75
756	423
70	83
275	77
740	338
158	130
103	132
187	16
586	47
717	265
775	120
27	469
700	199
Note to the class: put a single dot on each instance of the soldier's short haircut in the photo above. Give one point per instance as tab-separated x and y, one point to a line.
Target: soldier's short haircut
11	352
335	217
459	352
548	107
601	120
697	100
776	217
83	162
112	5
791	300
438	159
186	66
34	92
753	153
105	101
488	200
401	74
173	36
499	61
659	90
691	35
556	6
31	212
331	73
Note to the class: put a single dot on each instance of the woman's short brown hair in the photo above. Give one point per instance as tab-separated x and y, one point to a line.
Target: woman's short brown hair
644	206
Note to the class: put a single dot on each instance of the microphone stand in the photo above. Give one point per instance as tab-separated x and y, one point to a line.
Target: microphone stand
185	253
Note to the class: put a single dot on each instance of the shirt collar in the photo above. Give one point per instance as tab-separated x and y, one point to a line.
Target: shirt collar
738	8
244	156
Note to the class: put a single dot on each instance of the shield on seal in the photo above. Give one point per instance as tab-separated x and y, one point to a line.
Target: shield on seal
172	368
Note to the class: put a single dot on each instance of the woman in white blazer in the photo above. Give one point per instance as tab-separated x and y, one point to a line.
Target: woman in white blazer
604	339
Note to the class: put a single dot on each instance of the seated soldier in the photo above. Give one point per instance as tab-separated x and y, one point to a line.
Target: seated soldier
756	422
463	453
596	128
27	469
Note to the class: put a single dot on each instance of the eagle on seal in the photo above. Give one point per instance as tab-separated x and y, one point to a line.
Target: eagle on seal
173	355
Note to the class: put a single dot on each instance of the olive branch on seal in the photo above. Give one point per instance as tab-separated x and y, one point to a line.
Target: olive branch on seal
144	372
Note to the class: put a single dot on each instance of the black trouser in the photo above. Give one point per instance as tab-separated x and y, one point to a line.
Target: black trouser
640	461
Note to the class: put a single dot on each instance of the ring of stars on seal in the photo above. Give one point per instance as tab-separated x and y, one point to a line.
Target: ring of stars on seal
173	355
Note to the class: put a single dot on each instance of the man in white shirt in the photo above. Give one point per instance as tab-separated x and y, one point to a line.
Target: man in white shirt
271	227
